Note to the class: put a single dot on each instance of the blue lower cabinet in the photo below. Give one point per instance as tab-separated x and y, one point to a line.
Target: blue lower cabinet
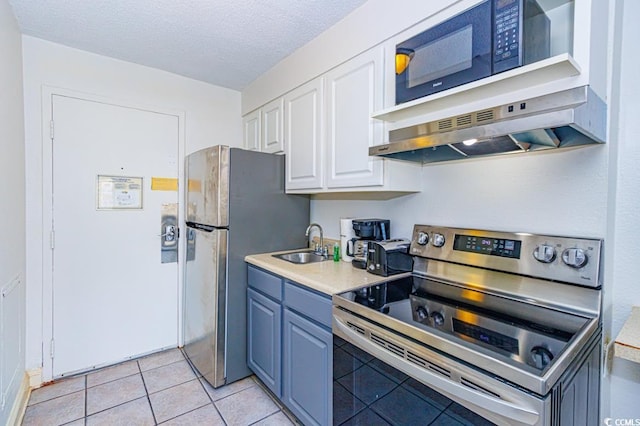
307	369
264	320
290	344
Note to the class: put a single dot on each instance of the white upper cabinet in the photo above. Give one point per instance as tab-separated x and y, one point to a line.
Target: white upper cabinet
251	130
303	134
353	93
329	129
272	140
263	128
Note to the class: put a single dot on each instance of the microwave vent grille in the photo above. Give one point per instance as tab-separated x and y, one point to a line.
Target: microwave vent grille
485	115
463	120
445	124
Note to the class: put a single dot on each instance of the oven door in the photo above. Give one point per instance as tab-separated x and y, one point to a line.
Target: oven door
450	54
479	392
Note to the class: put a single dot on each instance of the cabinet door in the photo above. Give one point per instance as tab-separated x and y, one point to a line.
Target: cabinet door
251	130
272	135
264	339
354	91
308	370
303	133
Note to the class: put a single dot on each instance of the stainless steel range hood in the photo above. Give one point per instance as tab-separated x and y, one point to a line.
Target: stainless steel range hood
570	118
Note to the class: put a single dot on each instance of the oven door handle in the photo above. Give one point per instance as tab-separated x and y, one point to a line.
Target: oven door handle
505	411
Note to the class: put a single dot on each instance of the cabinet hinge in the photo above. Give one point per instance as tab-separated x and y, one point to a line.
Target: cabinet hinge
52	239
52	348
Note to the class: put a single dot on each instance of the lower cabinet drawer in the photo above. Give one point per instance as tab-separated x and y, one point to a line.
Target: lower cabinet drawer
263	281
310	304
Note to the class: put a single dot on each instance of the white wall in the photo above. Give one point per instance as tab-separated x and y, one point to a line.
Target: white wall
357	32
212	117
589	192
624	268
555	193
12	214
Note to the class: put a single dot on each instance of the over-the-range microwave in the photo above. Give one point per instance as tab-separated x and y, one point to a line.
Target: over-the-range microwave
489	38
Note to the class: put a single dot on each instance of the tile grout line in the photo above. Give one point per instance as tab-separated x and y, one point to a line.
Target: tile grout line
185	413
159	366
179	384
109	381
211	399
85	383
433	423
146	391
265	417
116	406
282	408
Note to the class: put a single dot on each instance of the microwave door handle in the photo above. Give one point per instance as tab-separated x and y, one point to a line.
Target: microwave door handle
514	413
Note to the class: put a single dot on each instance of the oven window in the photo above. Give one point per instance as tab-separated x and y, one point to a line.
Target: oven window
367	391
444	56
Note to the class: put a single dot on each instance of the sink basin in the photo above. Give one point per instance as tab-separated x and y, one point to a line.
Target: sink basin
301	257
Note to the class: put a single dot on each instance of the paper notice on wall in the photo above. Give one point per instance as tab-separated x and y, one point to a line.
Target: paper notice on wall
119	193
164	184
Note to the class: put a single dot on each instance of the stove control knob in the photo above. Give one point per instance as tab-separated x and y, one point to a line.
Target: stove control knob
423	238
438	240
544	253
438	318
541	356
422	313
575	257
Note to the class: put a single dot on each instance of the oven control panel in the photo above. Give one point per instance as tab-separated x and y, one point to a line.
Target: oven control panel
567	259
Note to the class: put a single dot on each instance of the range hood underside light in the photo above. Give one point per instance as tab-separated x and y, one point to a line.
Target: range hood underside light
575	117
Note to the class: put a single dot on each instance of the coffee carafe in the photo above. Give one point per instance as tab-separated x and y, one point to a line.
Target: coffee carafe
366	230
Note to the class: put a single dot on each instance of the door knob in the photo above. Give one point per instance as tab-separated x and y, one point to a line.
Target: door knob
169	233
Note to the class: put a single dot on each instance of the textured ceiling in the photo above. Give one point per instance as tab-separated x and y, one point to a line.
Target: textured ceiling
224	42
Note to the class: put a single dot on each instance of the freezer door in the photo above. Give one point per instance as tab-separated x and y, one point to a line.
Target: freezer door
205	303
207	174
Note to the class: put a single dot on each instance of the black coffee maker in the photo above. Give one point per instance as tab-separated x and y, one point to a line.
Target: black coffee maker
366	230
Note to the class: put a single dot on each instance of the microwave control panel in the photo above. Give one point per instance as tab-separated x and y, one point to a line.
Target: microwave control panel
507	30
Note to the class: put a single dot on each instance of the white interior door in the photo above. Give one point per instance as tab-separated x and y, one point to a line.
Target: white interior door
112	296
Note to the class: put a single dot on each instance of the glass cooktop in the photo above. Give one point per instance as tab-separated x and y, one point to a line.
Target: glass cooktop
532	336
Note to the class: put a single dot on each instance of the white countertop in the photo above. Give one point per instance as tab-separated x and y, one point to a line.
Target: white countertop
627	344
328	277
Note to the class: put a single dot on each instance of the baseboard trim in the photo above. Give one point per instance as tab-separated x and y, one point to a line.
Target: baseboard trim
20	404
35	377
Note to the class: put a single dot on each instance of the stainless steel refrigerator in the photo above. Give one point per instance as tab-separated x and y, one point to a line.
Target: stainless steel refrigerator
236	206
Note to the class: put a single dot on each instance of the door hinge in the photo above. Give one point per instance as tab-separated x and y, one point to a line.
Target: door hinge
51	129
52	348
52	239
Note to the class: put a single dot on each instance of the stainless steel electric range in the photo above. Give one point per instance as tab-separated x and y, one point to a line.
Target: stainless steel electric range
507	325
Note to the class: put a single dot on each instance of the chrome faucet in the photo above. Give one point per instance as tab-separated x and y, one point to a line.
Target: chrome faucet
306	233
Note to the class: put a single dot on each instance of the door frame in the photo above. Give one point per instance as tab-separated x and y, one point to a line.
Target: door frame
47	207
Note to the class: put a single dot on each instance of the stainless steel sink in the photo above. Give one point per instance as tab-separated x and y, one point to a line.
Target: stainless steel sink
301	257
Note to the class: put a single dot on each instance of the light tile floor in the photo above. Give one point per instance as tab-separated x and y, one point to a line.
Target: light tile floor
158	389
